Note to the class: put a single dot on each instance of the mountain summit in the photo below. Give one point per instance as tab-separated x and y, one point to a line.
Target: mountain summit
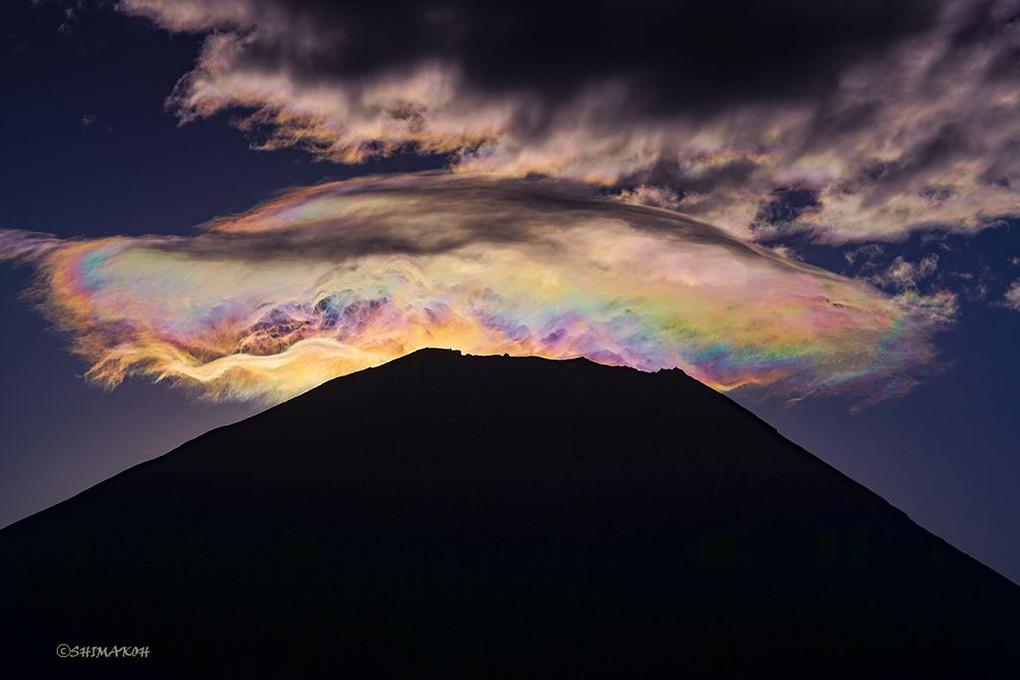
458	516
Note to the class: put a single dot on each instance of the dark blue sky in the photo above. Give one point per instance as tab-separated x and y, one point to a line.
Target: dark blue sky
89	150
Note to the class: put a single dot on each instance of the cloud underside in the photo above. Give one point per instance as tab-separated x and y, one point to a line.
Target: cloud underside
856	120
332	279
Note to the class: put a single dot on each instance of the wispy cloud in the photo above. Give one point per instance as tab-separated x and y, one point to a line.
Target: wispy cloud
853	120
1012	297
903	275
335	278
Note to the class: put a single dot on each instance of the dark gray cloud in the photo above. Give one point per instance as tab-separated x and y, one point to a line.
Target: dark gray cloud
891	116
687	56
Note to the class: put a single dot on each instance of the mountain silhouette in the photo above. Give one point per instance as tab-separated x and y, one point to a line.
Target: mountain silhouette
459	516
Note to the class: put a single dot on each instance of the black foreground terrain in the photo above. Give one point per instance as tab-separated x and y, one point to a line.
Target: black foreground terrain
454	516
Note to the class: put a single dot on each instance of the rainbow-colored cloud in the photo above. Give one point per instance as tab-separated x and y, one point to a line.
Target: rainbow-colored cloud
335	278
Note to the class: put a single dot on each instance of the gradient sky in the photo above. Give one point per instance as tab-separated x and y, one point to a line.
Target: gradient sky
864	178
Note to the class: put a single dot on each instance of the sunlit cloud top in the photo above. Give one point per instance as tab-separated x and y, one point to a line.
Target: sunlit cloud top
335	278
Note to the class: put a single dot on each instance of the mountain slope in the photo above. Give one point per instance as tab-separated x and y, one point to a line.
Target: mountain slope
445	515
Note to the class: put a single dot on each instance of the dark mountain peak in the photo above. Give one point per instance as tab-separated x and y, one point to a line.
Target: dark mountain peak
429	354
452	515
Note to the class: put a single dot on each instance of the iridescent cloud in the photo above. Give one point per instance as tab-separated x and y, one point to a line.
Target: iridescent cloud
343	276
